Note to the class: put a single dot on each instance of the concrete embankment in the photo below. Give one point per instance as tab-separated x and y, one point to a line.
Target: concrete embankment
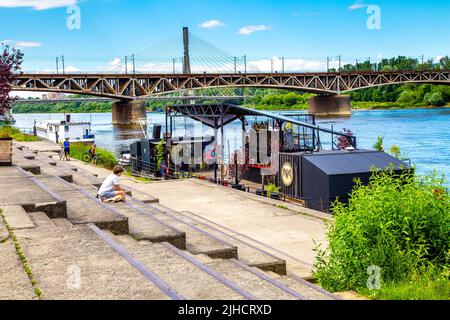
173	240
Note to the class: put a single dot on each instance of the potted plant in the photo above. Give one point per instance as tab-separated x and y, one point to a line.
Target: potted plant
273	191
5	147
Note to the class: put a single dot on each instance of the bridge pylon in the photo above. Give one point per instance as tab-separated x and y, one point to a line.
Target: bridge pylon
128	112
330	105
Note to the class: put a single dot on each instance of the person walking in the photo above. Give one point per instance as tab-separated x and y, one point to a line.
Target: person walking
67	149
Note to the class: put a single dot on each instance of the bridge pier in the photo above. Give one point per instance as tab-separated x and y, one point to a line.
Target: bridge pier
331	105
128	112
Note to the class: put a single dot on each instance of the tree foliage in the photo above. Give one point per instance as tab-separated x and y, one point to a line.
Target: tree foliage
10	64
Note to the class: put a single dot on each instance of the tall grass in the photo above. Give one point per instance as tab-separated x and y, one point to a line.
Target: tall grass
399	224
16	134
78	149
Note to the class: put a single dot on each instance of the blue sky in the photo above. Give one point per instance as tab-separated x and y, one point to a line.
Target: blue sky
311	30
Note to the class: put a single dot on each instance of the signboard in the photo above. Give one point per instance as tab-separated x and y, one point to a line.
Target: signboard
287	174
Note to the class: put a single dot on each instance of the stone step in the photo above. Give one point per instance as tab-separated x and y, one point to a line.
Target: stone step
75	264
143	227
17	217
52	171
83	208
259	287
62	223
14	282
41	220
28	166
248	253
197	240
186	278
310	291
36	198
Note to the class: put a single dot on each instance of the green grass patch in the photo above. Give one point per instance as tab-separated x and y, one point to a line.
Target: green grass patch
394	234
16	134
78	149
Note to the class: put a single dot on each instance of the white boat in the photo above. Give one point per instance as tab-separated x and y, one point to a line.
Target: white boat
59	131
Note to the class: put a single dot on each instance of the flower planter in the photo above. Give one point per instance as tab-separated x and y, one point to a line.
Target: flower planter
5	151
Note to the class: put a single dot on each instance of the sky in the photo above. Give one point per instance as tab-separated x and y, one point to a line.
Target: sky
304	32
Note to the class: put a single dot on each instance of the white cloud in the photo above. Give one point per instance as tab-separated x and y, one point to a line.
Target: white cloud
71	69
28	44
211	24
292	65
37	4
358	5
251	29
115	65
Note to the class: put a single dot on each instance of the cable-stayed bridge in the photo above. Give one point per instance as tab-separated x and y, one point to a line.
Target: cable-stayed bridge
205	66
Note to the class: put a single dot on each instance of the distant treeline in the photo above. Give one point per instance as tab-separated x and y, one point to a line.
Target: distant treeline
61	107
410	95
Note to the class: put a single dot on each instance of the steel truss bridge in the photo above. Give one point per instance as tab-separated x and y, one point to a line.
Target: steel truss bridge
141	86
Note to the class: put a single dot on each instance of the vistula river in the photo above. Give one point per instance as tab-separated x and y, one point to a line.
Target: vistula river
423	135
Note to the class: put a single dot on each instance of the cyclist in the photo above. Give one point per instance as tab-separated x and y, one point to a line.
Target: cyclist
67	149
92	151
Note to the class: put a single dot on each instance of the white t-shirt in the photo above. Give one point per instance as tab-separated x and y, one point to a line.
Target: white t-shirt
109	183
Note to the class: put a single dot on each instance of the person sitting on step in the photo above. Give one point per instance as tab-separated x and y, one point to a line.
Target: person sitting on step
111	191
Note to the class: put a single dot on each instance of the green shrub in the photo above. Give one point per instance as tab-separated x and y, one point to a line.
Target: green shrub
400	224
395	151
434	99
378	146
16	134
78	149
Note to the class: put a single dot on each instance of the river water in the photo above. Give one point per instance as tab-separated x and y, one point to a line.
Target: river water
423	135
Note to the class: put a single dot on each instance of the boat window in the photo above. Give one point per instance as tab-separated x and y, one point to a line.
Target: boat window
66	128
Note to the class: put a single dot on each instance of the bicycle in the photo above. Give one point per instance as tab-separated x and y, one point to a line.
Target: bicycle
62	155
96	160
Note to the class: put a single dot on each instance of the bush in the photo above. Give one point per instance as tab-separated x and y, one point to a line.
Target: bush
434	99
400	224
78	149
16	134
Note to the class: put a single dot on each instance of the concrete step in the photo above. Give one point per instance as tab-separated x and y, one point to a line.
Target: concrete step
310	291
41	220
248	252
74	264
62	223
258	286
186	278
46	159
142	227
14	282
17	217
52	171
27	165
197	240
83	208
36	198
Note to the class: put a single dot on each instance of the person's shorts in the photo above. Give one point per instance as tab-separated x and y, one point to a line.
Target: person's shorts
108	195
67	151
